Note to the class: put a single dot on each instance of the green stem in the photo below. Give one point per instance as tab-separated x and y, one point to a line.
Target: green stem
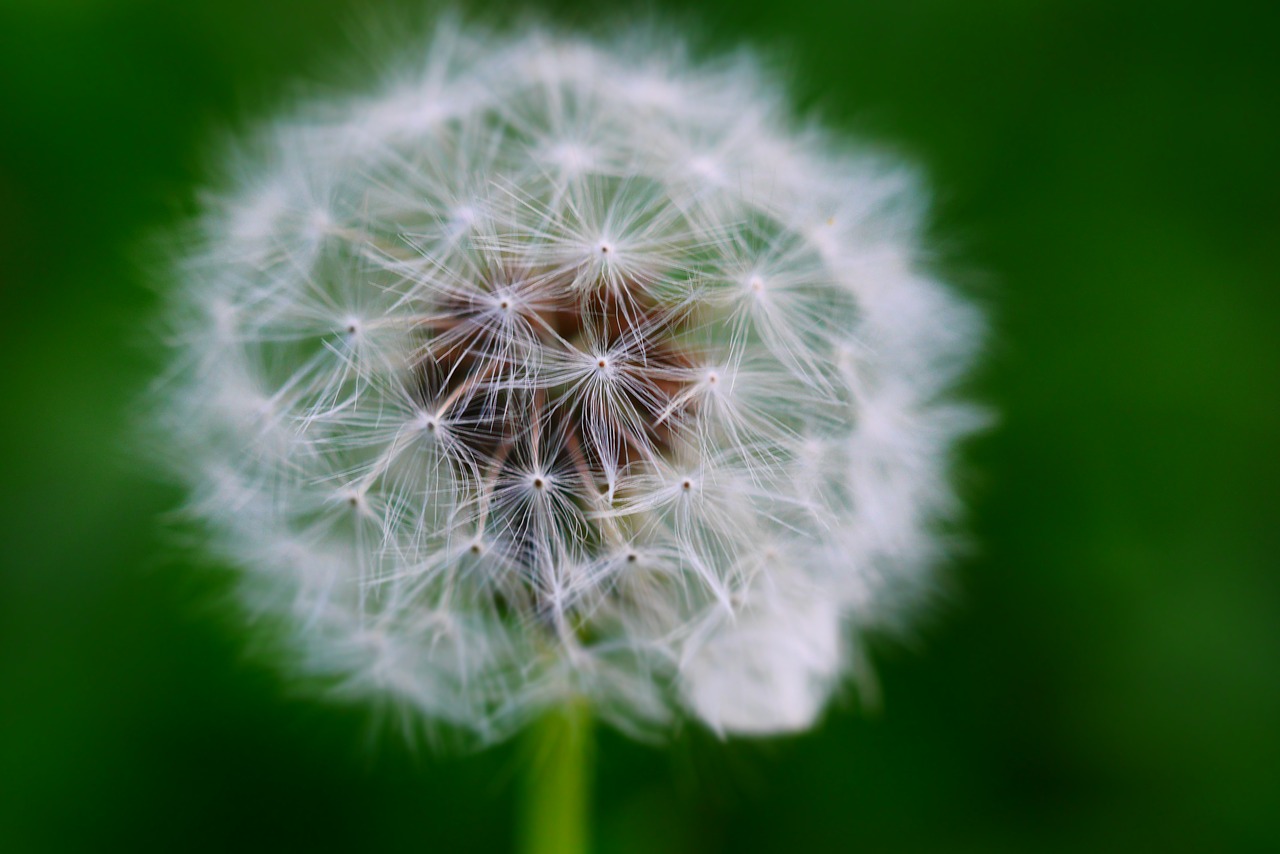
557	783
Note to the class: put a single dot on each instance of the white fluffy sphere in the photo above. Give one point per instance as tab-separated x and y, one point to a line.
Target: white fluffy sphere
556	370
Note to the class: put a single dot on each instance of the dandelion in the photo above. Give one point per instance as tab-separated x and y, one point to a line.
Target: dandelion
558	374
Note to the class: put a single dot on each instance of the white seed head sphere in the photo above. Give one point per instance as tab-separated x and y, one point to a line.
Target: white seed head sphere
556	370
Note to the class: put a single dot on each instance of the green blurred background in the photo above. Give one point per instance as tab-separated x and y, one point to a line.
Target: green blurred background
1107	676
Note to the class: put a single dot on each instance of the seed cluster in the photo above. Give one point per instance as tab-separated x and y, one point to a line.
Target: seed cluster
595	383
552	370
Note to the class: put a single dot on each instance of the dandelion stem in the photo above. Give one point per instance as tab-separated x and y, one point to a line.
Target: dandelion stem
557	783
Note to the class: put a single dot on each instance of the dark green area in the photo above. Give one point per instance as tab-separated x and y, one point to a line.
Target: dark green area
1108	674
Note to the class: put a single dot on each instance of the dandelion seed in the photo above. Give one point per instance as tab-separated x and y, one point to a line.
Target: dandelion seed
556	370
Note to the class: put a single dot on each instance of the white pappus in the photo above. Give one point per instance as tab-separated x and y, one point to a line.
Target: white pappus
556	370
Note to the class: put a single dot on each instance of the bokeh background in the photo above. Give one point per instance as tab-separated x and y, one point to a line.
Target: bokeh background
1107	674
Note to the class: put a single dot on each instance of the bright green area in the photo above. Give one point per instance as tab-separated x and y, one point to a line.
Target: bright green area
555	794
1107	674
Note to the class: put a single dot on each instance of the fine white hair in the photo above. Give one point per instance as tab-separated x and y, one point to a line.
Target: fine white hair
559	370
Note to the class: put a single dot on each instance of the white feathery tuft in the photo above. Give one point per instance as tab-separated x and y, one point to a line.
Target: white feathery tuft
555	370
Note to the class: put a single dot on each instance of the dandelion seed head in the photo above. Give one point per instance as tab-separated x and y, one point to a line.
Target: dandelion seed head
548	371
